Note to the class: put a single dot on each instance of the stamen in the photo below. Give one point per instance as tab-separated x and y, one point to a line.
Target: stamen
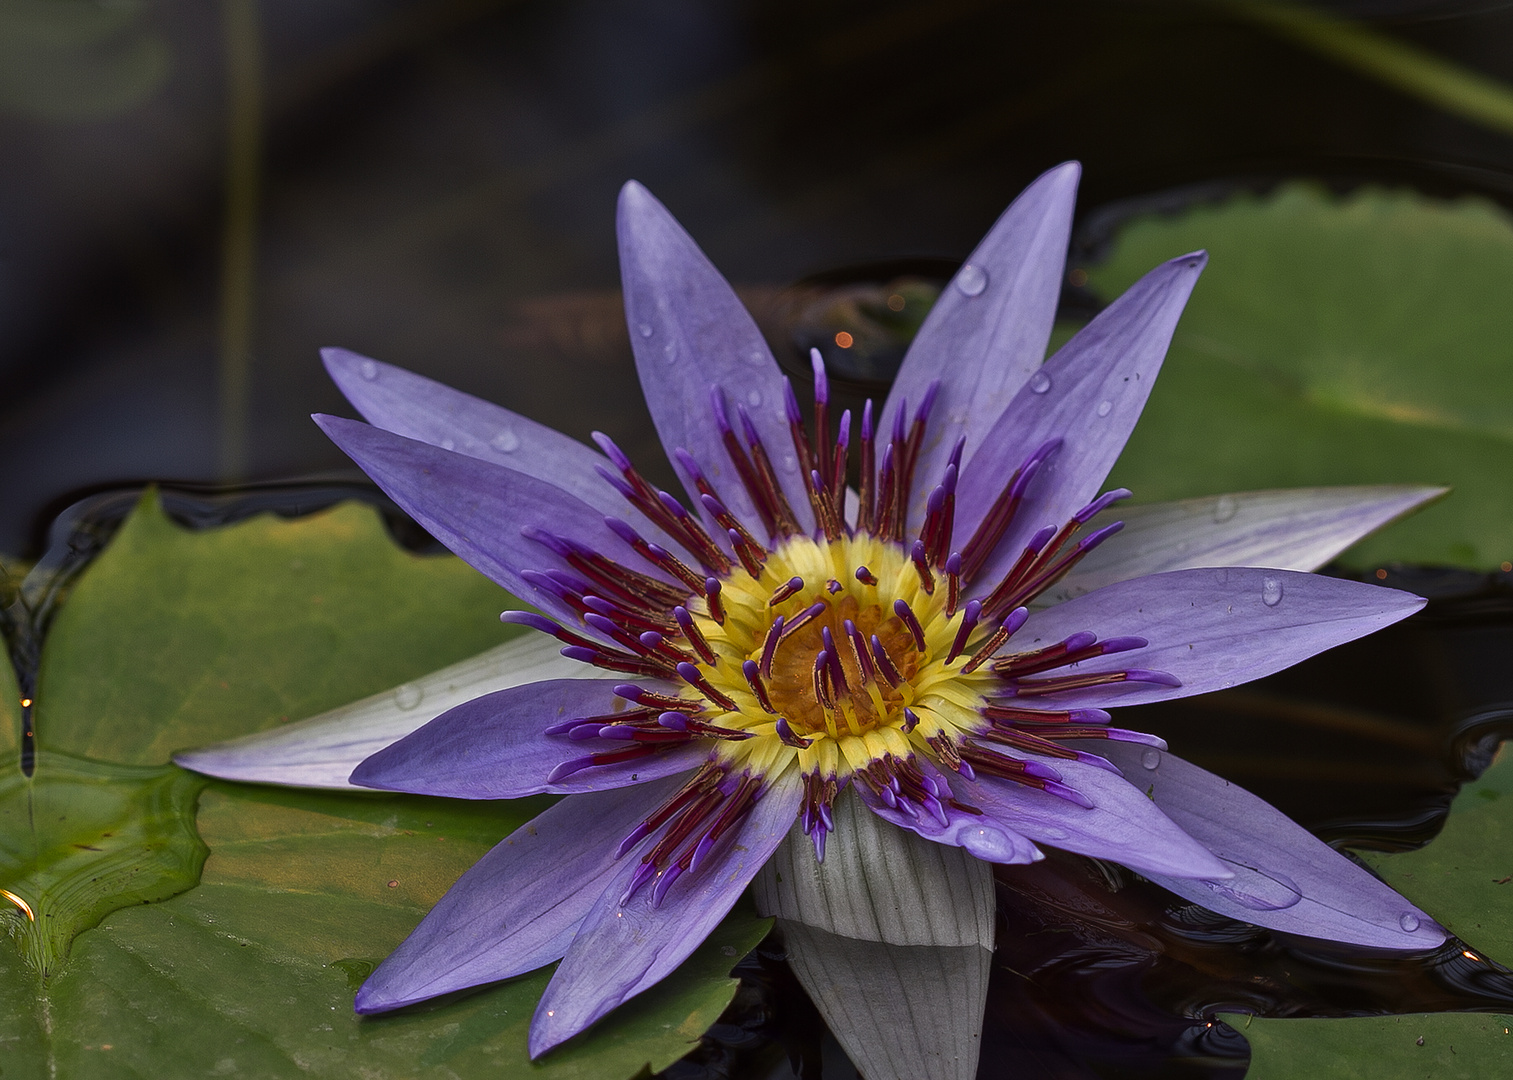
964	631
820	675
859	649
1017	715
751	553
694	635
787	522
832	586
796	429
546	626
998	518
953	583
712	597
911	721
596	722
922	567
609	660
786	590
833	658
1037	687
837	479
790	737
821	419
1075	649
703	546
567	768
652	699
654	553
802	619
864	519
749	474
695	678
753	672
906	614
865	576
885	664
770	645
824	507
1100	504
1006	630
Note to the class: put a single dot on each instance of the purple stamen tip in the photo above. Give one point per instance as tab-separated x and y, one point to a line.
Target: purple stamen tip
1041	538
956	451
712	586
1015	620
747	427
615	481
966	770
843	433
651	639
1093	539
632	838
1040	772
928	403
530	619
717	406
674	507
821	383
1101	503
555	544
674	721
1160	678
579	652
867	420
622	530
1125	735
911	718
690	673
685	459
618	732
751	669
629	691
1122	644
567	768
1080	640
1089	716
611	451
1071	795
936	501
953	564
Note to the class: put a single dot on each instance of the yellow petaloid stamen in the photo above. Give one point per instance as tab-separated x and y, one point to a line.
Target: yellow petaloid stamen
860	717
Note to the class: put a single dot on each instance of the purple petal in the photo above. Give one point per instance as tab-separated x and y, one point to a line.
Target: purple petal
493	747
982	835
1123	825
689	333
1089	395
983	343
1213	628
1291	529
519	906
322	751
418	408
623	950
1284	877
478	509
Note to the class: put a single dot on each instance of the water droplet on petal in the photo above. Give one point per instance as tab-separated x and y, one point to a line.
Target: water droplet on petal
971	280
1151	758
644	329
1408	921
1258	890
448	444
408	695
506	441
1271	591
1105	407
1227	507
1040	382
753	398
368	369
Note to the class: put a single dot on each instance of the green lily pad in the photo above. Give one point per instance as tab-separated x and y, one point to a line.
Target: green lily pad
1333	340
173	638
1432	1046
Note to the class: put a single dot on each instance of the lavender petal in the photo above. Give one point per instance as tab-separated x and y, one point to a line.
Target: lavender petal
1089	395
689	332
983	345
519	906
1122	825
620	950
1285	878
1213	628
479	509
493	747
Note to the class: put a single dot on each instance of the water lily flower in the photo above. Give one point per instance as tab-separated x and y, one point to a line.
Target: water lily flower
781	642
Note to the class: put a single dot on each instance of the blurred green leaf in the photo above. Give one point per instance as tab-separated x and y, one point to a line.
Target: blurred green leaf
1433	1046
1366	339
78	59
173	638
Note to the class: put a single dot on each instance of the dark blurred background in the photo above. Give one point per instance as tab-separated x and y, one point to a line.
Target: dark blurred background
196	196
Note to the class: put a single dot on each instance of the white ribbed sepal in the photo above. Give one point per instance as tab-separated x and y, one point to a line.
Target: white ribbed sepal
321	752
901	1012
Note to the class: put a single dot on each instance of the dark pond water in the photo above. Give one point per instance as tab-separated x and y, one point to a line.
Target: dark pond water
432	182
